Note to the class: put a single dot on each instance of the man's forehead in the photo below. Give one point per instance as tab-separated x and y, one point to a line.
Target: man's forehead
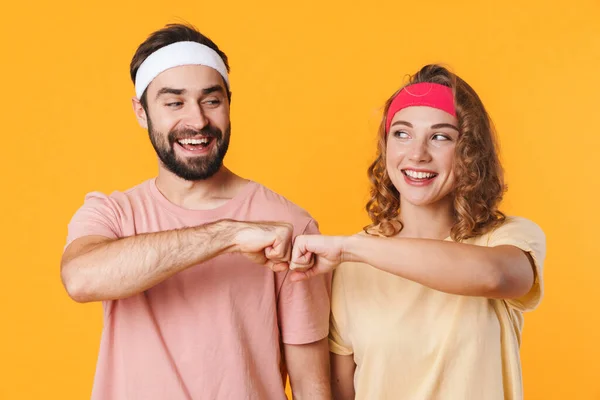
191	78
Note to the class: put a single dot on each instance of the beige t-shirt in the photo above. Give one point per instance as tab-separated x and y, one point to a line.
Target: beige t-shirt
416	343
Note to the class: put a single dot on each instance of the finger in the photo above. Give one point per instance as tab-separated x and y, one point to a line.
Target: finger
287	250
270	253
298	276
302	259
303	262
277	266
299	250
281	266
279	250
275	254
288	243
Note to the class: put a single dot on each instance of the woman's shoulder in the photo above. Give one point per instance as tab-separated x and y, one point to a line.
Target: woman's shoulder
515	227
517	224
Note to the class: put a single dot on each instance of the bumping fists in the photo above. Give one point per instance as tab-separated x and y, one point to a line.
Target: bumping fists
266	243
272	244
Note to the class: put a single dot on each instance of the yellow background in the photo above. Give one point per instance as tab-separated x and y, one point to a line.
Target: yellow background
309	79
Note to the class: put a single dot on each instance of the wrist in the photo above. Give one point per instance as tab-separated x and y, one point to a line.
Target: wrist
225	233
349	245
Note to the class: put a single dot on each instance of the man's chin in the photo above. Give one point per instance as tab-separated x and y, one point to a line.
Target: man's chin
196	174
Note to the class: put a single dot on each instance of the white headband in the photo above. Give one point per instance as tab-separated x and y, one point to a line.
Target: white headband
175	55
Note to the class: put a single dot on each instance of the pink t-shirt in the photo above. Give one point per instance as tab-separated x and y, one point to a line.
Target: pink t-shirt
213	331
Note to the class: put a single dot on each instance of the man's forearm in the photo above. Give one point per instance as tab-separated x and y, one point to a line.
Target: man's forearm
308	367
120	268
342	377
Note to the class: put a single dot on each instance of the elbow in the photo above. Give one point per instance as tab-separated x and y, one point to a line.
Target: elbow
509	275
76	286
502	285
495	284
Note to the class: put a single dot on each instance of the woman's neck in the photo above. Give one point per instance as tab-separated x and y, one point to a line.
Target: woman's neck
432	221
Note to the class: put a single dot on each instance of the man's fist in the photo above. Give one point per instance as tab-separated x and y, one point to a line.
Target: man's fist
266	243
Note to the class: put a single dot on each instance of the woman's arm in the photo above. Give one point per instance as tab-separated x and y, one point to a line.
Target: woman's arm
464	269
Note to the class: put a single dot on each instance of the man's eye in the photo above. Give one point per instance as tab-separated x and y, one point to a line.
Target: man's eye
212	102
174	104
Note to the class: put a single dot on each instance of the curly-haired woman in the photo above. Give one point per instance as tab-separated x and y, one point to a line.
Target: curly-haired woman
428	302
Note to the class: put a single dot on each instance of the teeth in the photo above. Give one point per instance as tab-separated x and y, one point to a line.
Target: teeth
194	141
419	175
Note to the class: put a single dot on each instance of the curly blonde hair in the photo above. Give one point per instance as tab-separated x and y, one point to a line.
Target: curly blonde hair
479	183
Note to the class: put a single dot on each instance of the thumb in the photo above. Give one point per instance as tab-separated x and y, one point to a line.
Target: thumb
297	276
301	257
276	266
302	262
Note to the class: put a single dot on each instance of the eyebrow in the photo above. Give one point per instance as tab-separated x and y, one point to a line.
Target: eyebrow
402	123
435	126
205	91
438	126
213	89
168	90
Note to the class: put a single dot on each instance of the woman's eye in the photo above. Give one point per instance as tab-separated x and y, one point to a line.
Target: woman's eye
440	137
401	134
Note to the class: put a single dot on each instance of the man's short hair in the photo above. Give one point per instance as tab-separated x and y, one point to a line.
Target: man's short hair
171	33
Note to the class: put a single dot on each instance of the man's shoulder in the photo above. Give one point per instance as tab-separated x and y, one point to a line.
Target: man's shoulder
119	198
277	203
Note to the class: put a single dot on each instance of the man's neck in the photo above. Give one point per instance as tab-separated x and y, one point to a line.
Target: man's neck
199	195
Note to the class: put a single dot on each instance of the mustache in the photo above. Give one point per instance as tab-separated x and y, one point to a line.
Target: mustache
189	133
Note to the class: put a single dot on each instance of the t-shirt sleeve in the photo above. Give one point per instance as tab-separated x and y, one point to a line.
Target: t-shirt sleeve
97	216
530	238
303	307
338	321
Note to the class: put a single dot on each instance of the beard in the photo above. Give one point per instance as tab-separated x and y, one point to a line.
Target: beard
192	168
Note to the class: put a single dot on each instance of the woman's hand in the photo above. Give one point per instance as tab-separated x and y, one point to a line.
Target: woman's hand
316	254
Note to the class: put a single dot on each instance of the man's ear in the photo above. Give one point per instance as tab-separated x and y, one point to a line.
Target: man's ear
140	113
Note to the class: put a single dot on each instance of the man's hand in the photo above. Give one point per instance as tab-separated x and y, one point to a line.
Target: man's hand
266	243
316	254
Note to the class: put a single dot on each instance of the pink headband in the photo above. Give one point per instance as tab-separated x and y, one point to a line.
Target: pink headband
422	94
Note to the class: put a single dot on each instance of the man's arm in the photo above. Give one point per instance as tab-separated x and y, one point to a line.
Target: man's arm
342	377
96	268
308	368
